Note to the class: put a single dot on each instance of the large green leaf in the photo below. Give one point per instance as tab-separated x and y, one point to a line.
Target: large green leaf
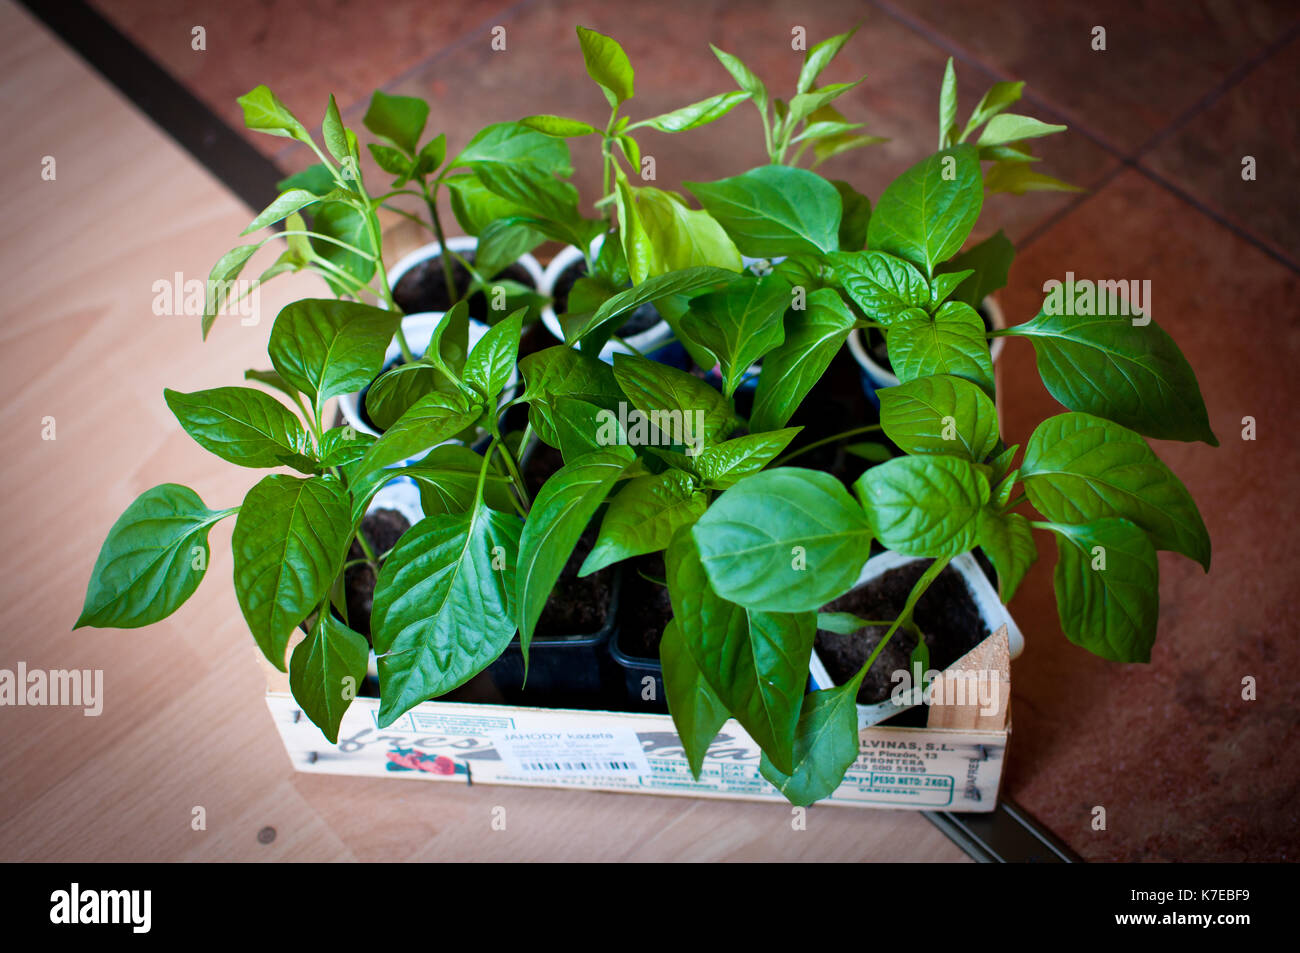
288	545
662	286
951	341
926	213
680	406
1009	544
444	606
924	505
1110	611
643	517
476	206
399	119
855	218
940	414
990	261
744	77
1079	468
755	662
697	711
723	465
1132	374
228	267
525	167
775	210
448	476
825	745
662	234
492	361
607	64
565	372
341	221
326	347
886	288
395	391
431	420
325	672
739	324
152	561
783	540
243	426
563	508
813	336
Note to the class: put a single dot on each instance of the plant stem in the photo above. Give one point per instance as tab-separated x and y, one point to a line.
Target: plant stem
1016	502
448	276
820	443
515	476
368	550
905	616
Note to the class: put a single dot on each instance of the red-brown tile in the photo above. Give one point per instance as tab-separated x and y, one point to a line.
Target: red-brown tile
1183	766
304	50
1161	56
1254	118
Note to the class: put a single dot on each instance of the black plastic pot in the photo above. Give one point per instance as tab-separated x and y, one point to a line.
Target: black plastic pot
643	680
634	648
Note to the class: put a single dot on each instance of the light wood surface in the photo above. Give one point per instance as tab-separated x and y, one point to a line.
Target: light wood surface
184	723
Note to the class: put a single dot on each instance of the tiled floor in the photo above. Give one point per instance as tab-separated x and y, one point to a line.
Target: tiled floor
1160	122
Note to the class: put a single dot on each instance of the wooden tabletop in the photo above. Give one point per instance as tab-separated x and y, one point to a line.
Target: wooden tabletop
184	722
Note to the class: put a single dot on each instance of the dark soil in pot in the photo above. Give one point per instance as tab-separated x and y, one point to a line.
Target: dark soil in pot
642	319
946	614
880	354
644	607
382	529
424	287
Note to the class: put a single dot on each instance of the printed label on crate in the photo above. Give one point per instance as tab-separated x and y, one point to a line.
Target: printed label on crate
591	753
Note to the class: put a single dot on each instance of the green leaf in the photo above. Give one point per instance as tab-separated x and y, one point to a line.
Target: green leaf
288	545
661	234
490	364
341	221
990	260
152	561
273	380
264	112
1017	178
698	713
696	114
940	414
925	505
803	105
607	64
652	289
393	161
643	517
813	336
744	78
563	508
561	371
399	119
926	213
326	347
783	540
325	673
842	623
1009	127
316	179
286	204
674	402
525	167
581	427
886	288
558	126
948	106
334	133
755	662
774	210
243	426
723	465
944	284
1111	612
817	59
447	477
739	324
432	419
395	391
444	606
431	155
825	745
871	452
999	97
856	216
475	206
1132	374
225	271
952	341
1009	544
1079	468
340	446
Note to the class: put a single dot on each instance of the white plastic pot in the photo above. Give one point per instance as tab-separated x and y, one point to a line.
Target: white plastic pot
990	607
647	341
876	377
461	244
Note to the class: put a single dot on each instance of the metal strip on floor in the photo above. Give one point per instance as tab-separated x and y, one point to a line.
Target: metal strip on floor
1006	835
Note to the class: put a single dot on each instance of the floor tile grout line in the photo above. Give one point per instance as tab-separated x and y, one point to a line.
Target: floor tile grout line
1225	85
458	43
